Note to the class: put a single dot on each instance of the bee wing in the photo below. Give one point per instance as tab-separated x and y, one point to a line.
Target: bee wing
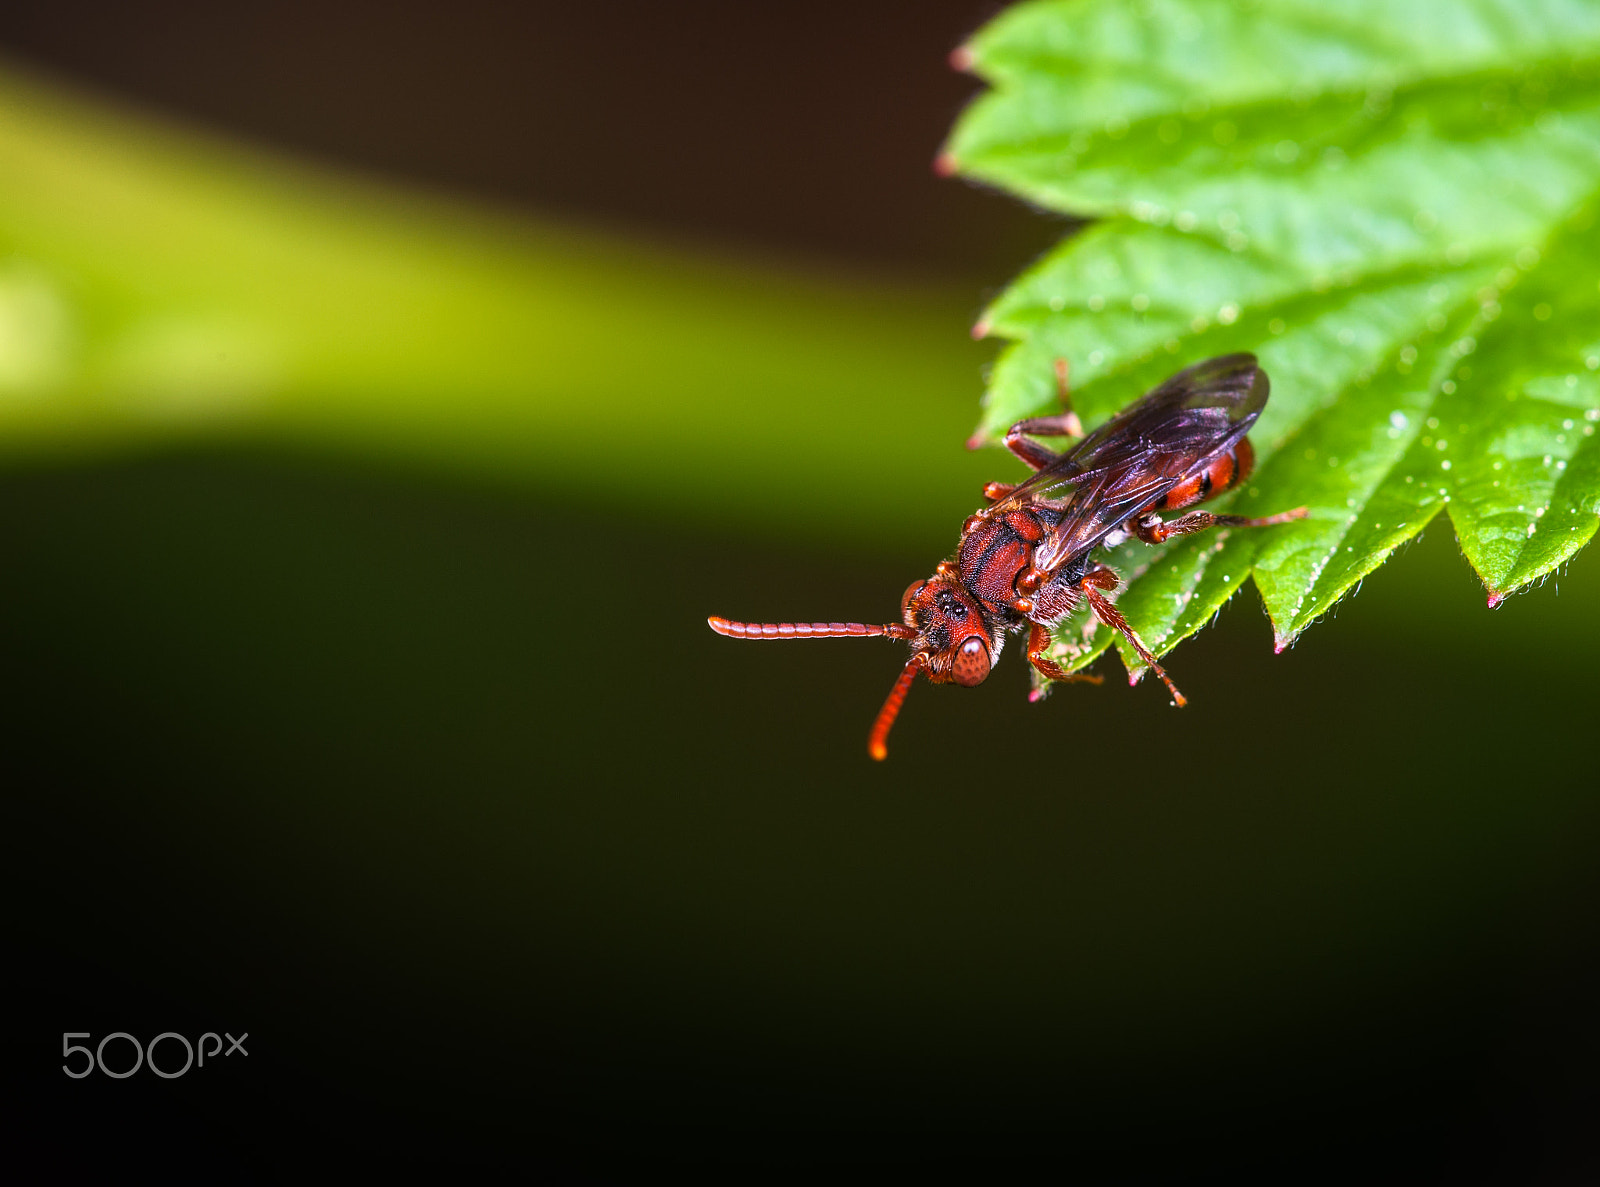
1141	453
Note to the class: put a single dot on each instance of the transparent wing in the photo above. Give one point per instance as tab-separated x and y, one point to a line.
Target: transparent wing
1141	453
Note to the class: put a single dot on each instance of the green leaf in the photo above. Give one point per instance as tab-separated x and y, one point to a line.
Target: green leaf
1392	203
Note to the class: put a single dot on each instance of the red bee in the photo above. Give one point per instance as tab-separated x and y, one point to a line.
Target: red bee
1027	560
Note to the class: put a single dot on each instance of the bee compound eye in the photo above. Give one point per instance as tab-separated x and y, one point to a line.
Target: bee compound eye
972	662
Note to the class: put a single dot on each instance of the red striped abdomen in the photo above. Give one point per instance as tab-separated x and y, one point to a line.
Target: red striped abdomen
1220	474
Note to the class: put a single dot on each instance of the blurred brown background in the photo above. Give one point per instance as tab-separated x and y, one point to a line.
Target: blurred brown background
796	127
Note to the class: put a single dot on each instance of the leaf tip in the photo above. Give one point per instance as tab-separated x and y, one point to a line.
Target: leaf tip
981	328
962	59
945	164
1495	598
978	439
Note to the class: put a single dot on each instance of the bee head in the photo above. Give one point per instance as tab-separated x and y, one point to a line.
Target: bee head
952	632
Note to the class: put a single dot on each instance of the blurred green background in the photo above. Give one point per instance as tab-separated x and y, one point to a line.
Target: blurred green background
388	394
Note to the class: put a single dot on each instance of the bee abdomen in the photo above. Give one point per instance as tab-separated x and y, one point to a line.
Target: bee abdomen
1220	474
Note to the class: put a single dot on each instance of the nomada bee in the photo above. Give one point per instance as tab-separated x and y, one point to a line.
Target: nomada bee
1026	560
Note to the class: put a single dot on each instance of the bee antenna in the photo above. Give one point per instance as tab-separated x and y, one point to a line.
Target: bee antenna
807	630
878	740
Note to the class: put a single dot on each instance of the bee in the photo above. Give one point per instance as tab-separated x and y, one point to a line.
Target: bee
1027	560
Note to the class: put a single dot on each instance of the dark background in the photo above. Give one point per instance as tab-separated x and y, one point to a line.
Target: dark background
790	127
496	870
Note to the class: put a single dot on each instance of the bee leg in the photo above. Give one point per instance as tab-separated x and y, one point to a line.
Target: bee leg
1064	424
1151	530
1063	392
995	491
1034	455
1038	644
1106	611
